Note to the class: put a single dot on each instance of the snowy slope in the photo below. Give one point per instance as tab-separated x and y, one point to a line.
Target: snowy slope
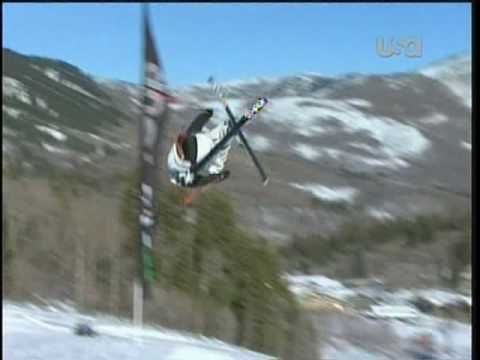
31	332
455	73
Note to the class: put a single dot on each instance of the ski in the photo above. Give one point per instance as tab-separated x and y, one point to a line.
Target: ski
249	115
220	93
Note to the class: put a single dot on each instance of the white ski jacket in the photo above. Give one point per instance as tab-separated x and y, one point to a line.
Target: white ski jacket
179	170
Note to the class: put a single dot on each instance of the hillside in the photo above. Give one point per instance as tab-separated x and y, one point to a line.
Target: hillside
337	148
370	176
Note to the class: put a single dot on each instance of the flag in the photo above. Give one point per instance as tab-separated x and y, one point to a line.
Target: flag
153	115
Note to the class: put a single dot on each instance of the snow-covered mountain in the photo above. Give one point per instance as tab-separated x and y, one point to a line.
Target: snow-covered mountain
385	146
53	112
455	73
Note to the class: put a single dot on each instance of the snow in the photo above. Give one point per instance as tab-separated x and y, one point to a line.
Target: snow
441	297
379	214
312	153
96	137
334	194
343	350
359	102
286	110
252	81
190	352
58	135
35	67
77	88
387	163
52	74
85	159
434	119
15	113
307	151
466	145
435	296
303	285
53	149
55	76
394	311
107	142
333	153
15	88
32	332
237	83
394	83
232	83
310	131
357	79
396	139
175	107
42	104
317	74
456	74
452	339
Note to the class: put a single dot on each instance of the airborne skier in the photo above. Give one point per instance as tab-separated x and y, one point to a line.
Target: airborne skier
191	146
198	148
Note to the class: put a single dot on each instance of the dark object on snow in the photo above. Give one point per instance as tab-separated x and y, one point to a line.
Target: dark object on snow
423	305
419	355
84	330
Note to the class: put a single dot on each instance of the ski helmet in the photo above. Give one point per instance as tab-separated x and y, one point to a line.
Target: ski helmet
179	143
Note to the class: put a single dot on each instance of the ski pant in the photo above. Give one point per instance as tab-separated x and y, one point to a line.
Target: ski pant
201	141
215	135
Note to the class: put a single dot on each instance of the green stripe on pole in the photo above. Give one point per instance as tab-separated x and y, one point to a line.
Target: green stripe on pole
149	269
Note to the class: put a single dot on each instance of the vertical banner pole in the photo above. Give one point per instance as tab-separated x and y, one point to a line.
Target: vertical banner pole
154	114
143	24
137	303
138	281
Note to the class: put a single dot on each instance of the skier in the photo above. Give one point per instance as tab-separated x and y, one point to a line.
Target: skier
193	145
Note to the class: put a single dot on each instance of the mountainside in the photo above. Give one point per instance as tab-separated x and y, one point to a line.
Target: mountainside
361	167
384	145
335	147
55	113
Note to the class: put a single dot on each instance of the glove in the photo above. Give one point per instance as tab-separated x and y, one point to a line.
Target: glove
189	177
185	178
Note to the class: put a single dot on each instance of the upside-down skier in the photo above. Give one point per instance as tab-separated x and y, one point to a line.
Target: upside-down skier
196	143
191	146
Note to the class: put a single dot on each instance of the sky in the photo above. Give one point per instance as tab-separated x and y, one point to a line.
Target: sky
236	41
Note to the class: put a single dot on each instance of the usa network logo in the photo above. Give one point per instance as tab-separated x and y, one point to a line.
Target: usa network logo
411	47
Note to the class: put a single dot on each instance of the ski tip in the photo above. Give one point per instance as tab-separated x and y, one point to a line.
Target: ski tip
265	182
